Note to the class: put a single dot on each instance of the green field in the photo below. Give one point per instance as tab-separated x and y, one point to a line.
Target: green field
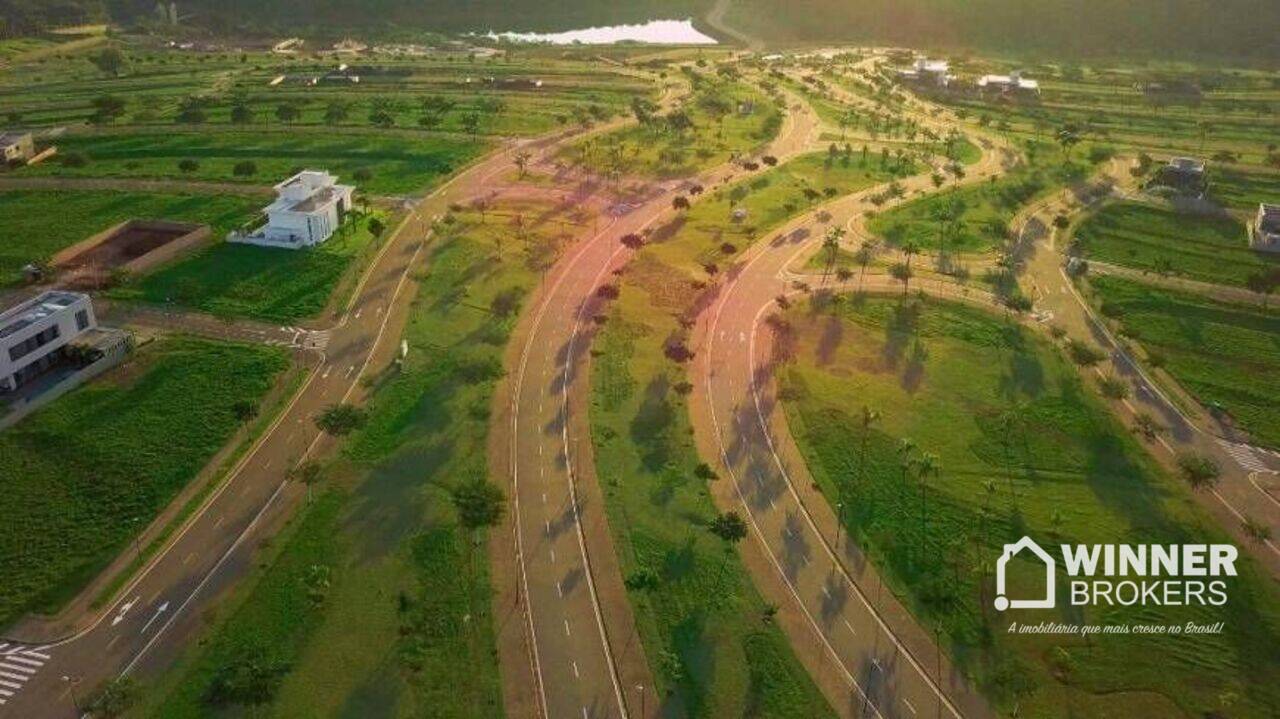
723	118
36	224
1156	239
970	219
398	165
713	650
1022	449
709	233
404	628
268	283
1241	190
1221	353
86	473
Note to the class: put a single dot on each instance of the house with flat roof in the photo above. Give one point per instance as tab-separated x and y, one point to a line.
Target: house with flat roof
17	146
1014	82
1264	232
34	334
926	71
308	209
1184	175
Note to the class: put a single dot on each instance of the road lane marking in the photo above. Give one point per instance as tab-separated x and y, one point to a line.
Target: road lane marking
909	707
566	628
575	670
849	626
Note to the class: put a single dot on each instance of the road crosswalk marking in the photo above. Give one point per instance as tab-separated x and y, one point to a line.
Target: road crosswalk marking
1244	455
18	664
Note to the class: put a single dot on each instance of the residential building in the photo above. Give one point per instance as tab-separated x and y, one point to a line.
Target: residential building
309	208
17	146
1264	232
1183	174
34	334
1014	82
926	71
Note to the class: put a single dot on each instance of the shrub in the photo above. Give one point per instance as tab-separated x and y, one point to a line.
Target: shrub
1199	471
340	419
1084	354
245	168
188	165
74	159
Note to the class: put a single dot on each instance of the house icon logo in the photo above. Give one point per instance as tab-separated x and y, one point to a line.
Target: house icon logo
1003	602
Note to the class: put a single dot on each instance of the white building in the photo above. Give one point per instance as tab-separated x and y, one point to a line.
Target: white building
17	146
937	72
309	208
34	333
1013	82
1264	233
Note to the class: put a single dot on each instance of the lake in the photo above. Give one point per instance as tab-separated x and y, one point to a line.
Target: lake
658	32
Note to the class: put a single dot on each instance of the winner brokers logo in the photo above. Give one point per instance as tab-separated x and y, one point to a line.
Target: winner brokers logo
1126	574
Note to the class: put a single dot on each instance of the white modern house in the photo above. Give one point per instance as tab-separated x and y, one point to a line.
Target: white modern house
34	333
1013	82
308	209
17	146
924	70
1264	232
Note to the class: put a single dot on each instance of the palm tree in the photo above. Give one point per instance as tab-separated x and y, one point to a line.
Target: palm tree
831	245
927	466
908	250
902	273
869	417
521	160
865	254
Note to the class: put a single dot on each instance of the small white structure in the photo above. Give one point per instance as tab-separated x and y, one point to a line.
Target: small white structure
309	208
1264	232
926	71
34	333
17	146
1013	82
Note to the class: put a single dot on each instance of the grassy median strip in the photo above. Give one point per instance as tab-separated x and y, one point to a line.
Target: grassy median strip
396	598
89	471
1219	352
983	433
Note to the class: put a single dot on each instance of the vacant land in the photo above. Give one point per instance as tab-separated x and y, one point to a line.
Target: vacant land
1157	239
402	626
1018	447
718	226
36	224
269	283
720	119
1219	352
88	472
379	164
971	219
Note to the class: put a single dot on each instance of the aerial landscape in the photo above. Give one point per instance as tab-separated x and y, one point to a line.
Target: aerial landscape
672	358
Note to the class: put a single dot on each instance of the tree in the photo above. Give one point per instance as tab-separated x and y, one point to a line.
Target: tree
868	418
902	273
927	466
376	226
246	681
307	474
107	108
1200	471
336	112
110	61
1255	530
680	203
831	245
479	503
632	241
188	165
866	253
241	113
729	526
521	159
245	410
1147	426
340	419
244	168
288	112
471	123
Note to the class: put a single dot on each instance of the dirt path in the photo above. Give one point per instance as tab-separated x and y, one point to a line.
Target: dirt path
715	18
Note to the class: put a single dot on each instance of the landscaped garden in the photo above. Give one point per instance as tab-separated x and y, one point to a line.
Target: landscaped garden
1221	353
1160	240
87	473
36	224
979	433
403	624
268	283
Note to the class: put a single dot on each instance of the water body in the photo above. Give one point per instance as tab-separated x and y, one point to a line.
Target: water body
657	32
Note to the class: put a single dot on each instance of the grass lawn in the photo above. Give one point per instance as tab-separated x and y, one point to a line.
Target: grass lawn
1023	449
1219	352
1157	239
398	164
970	219
36	224
702	622
709	234
267	283
404	626
724	118
1242	190
80	470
